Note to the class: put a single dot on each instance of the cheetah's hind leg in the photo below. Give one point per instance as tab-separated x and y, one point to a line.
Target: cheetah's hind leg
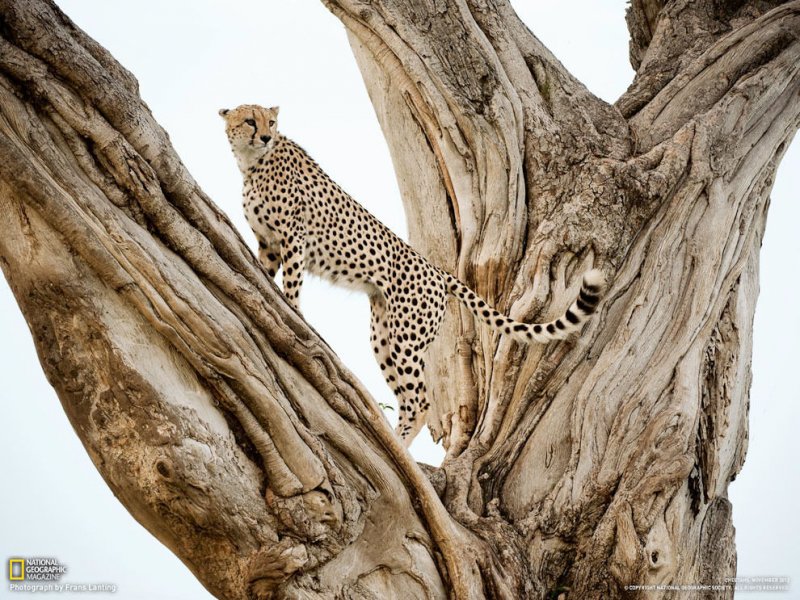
413	401
401	366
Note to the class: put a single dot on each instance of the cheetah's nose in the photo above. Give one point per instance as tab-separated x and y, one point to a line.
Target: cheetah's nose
265	139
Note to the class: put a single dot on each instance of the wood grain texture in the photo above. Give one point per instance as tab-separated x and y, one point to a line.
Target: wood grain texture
604	455
231	431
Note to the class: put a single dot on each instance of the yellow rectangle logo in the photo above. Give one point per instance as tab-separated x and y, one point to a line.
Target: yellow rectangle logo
16	569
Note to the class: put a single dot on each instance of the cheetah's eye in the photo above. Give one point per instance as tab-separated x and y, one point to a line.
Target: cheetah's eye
272	123
250	122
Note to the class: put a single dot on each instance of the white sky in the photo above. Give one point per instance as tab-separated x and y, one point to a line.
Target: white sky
192	58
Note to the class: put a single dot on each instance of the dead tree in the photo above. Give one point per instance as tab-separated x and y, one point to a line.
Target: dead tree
231	431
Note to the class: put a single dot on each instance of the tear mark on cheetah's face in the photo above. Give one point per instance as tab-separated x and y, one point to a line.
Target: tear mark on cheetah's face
251	130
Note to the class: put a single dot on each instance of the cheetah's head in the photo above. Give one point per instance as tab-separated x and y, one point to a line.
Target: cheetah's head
251	130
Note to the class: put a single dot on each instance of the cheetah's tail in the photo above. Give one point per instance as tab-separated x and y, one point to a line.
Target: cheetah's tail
572	320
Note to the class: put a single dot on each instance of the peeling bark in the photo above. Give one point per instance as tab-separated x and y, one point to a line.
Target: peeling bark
232	432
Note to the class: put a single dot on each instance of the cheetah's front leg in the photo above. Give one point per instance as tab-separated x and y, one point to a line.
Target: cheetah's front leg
293	257
269	257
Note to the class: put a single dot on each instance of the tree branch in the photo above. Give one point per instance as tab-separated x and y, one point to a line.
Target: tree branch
683	38
113	249
588	447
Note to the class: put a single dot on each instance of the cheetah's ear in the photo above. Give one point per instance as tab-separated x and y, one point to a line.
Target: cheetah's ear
275	109
223	112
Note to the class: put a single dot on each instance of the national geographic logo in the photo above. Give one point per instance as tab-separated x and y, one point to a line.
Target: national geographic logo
36	574
35	569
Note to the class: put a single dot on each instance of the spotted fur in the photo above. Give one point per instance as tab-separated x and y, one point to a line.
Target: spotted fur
306	222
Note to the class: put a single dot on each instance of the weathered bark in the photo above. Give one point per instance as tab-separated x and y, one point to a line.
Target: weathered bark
233	433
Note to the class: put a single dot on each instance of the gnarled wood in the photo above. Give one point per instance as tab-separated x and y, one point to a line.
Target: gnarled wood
230	430
606	455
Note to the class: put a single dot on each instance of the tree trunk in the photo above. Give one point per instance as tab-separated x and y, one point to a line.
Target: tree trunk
232	432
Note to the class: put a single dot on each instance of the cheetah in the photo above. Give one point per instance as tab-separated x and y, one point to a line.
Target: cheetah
305	222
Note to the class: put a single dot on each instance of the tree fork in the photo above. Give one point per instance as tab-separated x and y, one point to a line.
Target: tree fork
579	467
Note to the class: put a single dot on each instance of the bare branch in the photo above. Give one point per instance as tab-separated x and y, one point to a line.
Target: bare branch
642	17
241	395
